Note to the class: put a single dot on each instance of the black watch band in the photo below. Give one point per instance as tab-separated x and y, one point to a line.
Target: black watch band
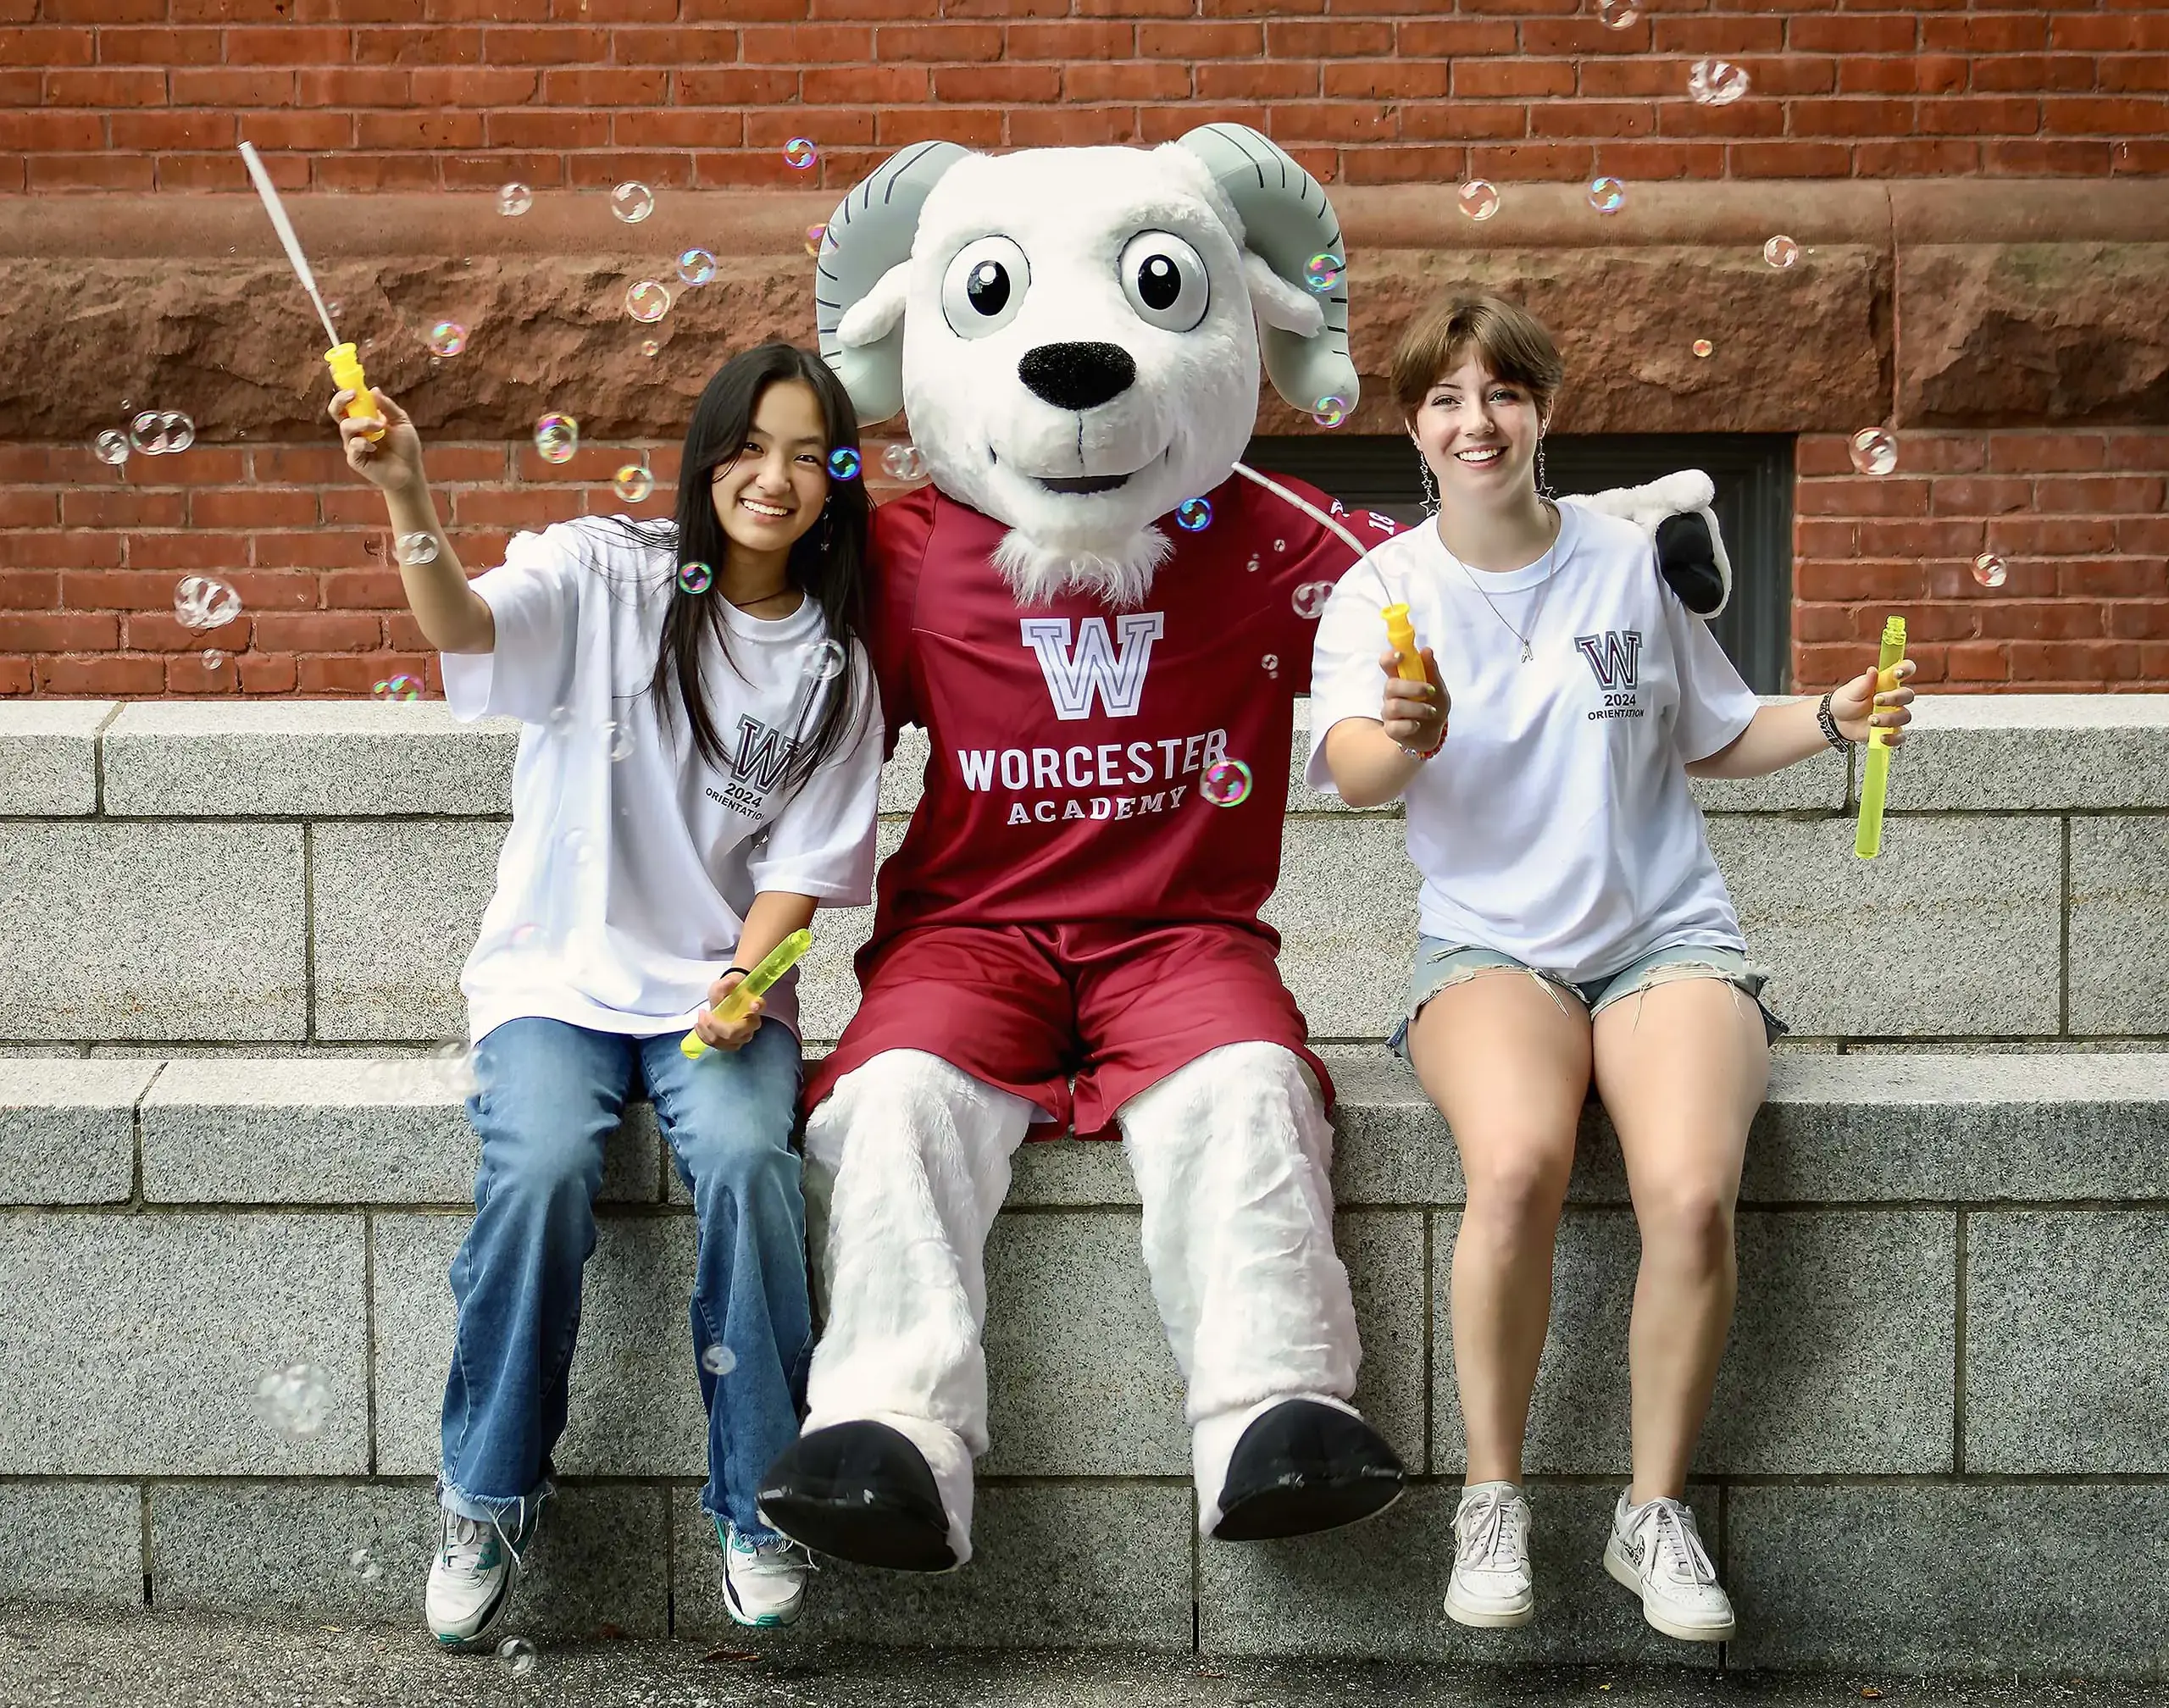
1830	730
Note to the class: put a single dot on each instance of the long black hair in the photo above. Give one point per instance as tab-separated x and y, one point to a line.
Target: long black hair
827	563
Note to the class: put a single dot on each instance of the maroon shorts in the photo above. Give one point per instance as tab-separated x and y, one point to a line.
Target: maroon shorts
1030	1008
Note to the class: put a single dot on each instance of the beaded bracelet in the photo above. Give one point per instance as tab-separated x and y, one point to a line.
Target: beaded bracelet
1831	733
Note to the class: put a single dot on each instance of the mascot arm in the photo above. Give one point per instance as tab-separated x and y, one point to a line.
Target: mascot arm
1300	560
1675	512
897	547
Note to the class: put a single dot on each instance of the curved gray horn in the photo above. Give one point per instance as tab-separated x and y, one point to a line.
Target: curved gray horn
870	232
1286	220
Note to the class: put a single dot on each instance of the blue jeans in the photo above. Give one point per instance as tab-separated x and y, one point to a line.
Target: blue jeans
549	1095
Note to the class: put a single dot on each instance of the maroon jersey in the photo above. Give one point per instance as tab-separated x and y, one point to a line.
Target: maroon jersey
1072	743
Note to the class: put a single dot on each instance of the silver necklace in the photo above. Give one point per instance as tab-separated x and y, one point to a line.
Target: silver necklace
1536	610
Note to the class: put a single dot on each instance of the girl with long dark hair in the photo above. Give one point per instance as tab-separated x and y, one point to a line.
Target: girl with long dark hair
698	768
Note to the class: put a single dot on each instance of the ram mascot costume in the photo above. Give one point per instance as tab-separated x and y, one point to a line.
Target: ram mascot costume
1069	934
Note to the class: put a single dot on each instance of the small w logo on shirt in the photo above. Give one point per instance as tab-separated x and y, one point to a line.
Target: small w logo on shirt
1113	669
1615	656
763	754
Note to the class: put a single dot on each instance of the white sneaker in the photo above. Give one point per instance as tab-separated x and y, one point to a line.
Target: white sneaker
472	1580
1492	1586
1655	1550
764	1582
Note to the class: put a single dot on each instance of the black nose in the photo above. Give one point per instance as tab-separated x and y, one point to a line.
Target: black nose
1077	376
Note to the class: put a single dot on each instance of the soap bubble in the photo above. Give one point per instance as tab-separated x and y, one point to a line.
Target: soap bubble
514	200
560	720
618	738
718	1360
1704	348
632	203
1607	195
1193	514
557	436
447	338
181	431
1616	14
363	1564
694	577
1990	570
696	267
416	549
1716	82
202	602
1272	661
825	662
1280	544
111	447
297	1400
159	432
579	849
1478	199
844	463
1874	452
633	482
1781	251
143	433
1311	598
1331	412
815	236
649	347
1323	270
213	659
1227	784
647	302
904	463
397	688
516	1657
799	154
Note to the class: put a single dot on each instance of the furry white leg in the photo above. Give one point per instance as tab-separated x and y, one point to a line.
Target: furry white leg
1233	1156
906	1163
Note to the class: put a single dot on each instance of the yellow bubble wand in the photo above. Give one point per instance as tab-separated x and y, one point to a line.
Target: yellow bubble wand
1868	839
1400	635
773	965
345	363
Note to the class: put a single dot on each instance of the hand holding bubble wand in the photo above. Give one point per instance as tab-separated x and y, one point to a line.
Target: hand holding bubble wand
345	363
773	966
1868	839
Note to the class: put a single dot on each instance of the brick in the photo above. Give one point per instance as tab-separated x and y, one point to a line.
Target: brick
108	675
104	87
89	172
68	551
62	632
49	45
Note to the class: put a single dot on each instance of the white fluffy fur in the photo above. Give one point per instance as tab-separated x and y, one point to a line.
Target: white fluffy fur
1176	431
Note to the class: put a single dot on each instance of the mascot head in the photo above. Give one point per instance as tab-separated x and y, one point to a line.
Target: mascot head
1076	332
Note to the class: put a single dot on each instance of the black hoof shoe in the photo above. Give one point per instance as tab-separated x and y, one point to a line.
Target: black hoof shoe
1303	1468
860	1492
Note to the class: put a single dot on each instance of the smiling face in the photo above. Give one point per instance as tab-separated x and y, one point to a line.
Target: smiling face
1479	433
1078	362
772	492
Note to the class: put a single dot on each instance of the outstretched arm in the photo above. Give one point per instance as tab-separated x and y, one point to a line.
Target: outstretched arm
1783	735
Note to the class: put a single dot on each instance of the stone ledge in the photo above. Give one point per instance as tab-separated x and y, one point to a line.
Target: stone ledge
48	756
68	1129
306	759
349	759
1936	1126
2021	753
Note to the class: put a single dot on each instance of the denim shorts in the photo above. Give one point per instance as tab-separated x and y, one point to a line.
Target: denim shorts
1440	964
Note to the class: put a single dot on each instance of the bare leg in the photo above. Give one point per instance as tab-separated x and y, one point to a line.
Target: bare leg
1682	1067
1507	1058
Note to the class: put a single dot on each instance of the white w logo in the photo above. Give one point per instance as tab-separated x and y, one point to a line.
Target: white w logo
1615	656
1096	667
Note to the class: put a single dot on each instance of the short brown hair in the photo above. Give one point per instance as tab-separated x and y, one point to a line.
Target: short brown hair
1505	337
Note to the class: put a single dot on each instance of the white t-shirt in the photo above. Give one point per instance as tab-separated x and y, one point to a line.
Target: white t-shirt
624	884
1556	824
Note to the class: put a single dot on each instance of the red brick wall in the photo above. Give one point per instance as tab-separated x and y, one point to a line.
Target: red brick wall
2076	516
419	94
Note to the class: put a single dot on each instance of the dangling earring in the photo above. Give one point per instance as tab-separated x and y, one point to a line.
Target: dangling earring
1543	481
827	524
1430	485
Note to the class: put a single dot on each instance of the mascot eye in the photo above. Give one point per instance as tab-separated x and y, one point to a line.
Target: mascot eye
1165	281
984	287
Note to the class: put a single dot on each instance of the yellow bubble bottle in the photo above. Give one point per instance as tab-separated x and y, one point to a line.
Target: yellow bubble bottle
1867	838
